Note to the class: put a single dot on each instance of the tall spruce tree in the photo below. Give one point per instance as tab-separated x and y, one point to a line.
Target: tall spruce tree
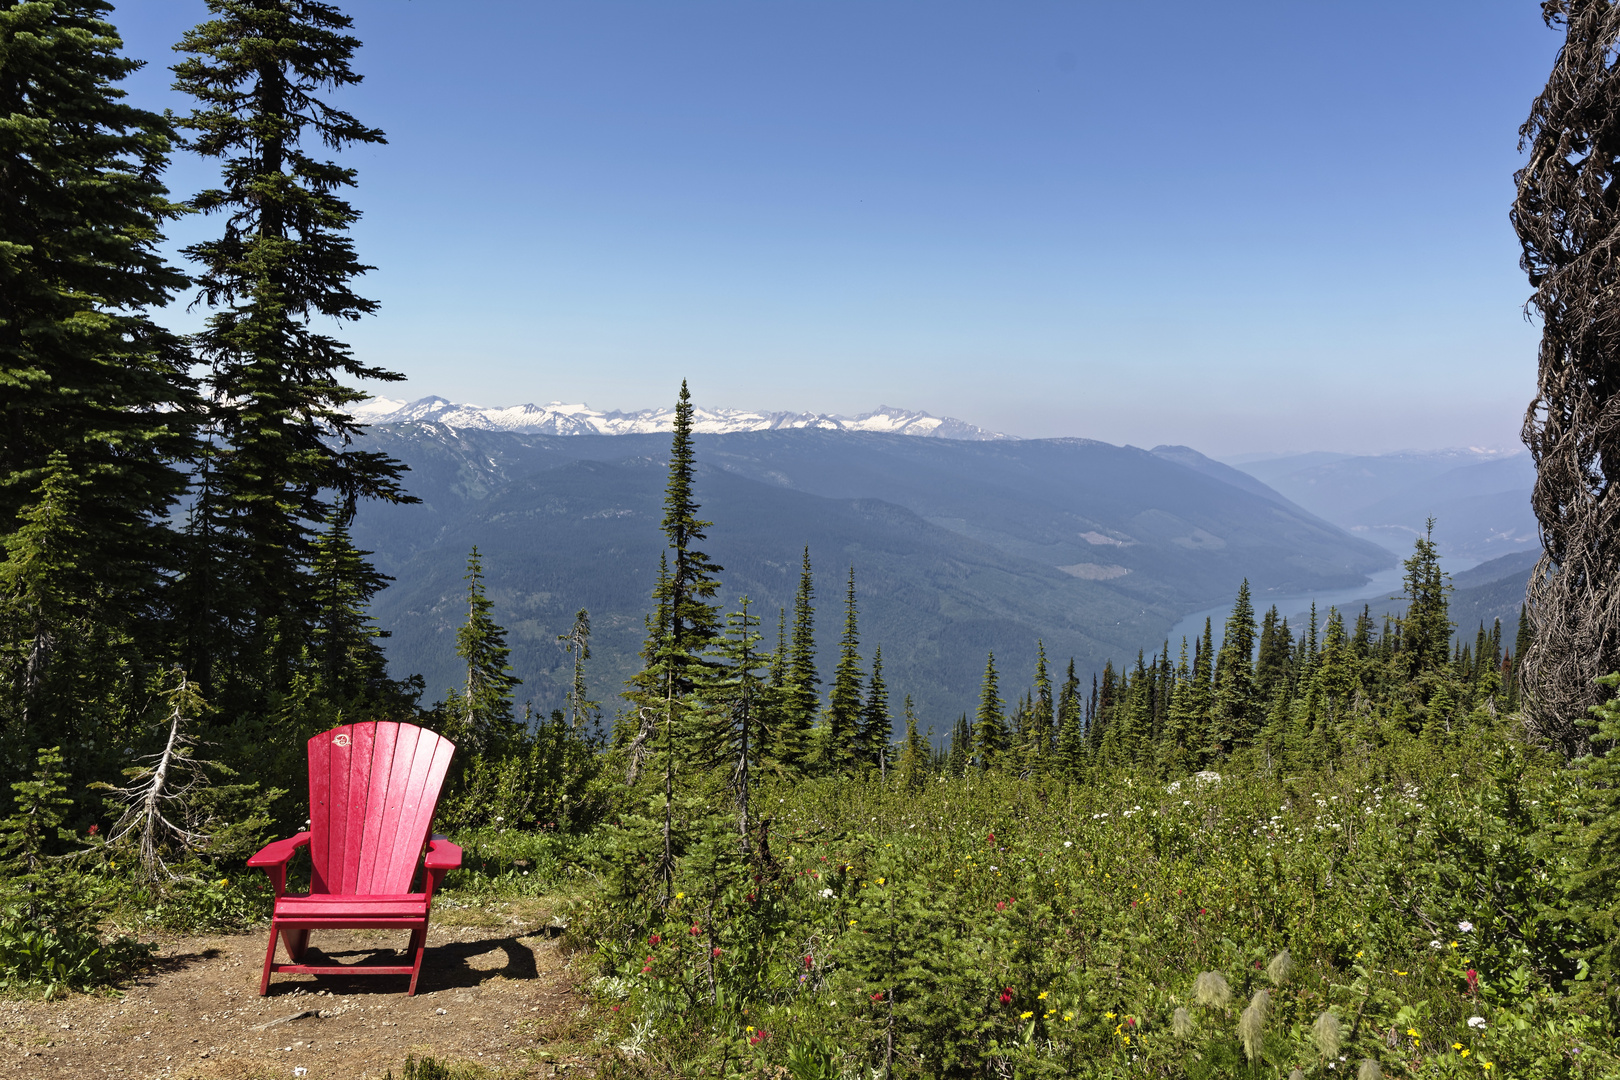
989	725
800	696
479	718
1071	735
1232	718
281	453
86	373
872	749
844	702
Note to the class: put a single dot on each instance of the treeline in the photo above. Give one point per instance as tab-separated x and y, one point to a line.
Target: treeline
1300	699
1295	698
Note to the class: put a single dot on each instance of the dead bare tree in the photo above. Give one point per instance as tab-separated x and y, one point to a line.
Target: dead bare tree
1567	214
157	815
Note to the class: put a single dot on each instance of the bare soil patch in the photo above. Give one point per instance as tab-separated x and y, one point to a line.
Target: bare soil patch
499	993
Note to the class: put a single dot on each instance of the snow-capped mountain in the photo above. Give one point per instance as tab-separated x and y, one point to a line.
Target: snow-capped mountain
560	418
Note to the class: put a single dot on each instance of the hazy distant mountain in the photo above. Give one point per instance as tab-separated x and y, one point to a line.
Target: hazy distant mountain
1480	499
559	418
959	547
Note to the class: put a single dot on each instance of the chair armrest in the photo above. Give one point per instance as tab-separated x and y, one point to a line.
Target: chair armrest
277	852
442	855
273	859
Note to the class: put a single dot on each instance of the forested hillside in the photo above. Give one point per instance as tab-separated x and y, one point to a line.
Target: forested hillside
959	548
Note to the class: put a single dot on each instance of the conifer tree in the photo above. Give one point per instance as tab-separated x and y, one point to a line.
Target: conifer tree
479	719
281	448
86	373
1234	677
581	710
914	752
844	702
1178	749
344	642
1070	728
1426	629
989	726
1043	710
799	696
733	700
63	660
873	748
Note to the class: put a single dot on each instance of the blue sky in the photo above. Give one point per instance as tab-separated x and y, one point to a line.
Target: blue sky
1243	226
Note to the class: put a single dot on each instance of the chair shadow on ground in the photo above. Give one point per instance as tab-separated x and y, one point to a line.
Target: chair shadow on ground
445	966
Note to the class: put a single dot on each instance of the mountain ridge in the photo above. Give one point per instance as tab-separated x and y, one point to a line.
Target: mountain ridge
563	418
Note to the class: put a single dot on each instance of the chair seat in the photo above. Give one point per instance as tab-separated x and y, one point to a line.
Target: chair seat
337	907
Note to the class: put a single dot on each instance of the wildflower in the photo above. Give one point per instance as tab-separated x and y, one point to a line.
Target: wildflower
1477	1023
809	961
1435	945
93	830
1006	996
1000	906
1456	1046
826	894
1252	1024
1463	1054
1210	989
1279	968
1042	995
1068	1016
1471	977
1327	1033
696	930
1025	1015
716	951
1453	944
1369	1070
680	896
1487	1065
1466	927
878	996
1181	1023
1068	843
654	940
880	881
852	922
1109	1016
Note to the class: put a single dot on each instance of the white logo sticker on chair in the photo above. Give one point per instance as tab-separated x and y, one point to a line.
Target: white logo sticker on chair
340	740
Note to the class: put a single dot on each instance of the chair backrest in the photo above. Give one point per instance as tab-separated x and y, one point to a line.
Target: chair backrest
372	790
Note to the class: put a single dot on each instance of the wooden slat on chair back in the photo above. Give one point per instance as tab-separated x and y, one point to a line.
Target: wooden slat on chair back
372	790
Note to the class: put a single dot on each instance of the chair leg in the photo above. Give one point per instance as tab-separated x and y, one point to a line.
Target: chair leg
297	941
418	947
269	959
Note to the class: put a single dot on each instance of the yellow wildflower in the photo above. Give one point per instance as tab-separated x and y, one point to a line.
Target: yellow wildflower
1110	1015
680	896
1042	995
1025	1016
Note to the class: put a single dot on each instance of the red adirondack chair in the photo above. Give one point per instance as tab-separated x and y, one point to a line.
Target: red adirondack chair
372	791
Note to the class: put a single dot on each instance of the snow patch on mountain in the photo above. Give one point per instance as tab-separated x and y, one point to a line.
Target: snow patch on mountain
562	418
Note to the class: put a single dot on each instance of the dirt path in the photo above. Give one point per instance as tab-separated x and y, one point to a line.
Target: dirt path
498	995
